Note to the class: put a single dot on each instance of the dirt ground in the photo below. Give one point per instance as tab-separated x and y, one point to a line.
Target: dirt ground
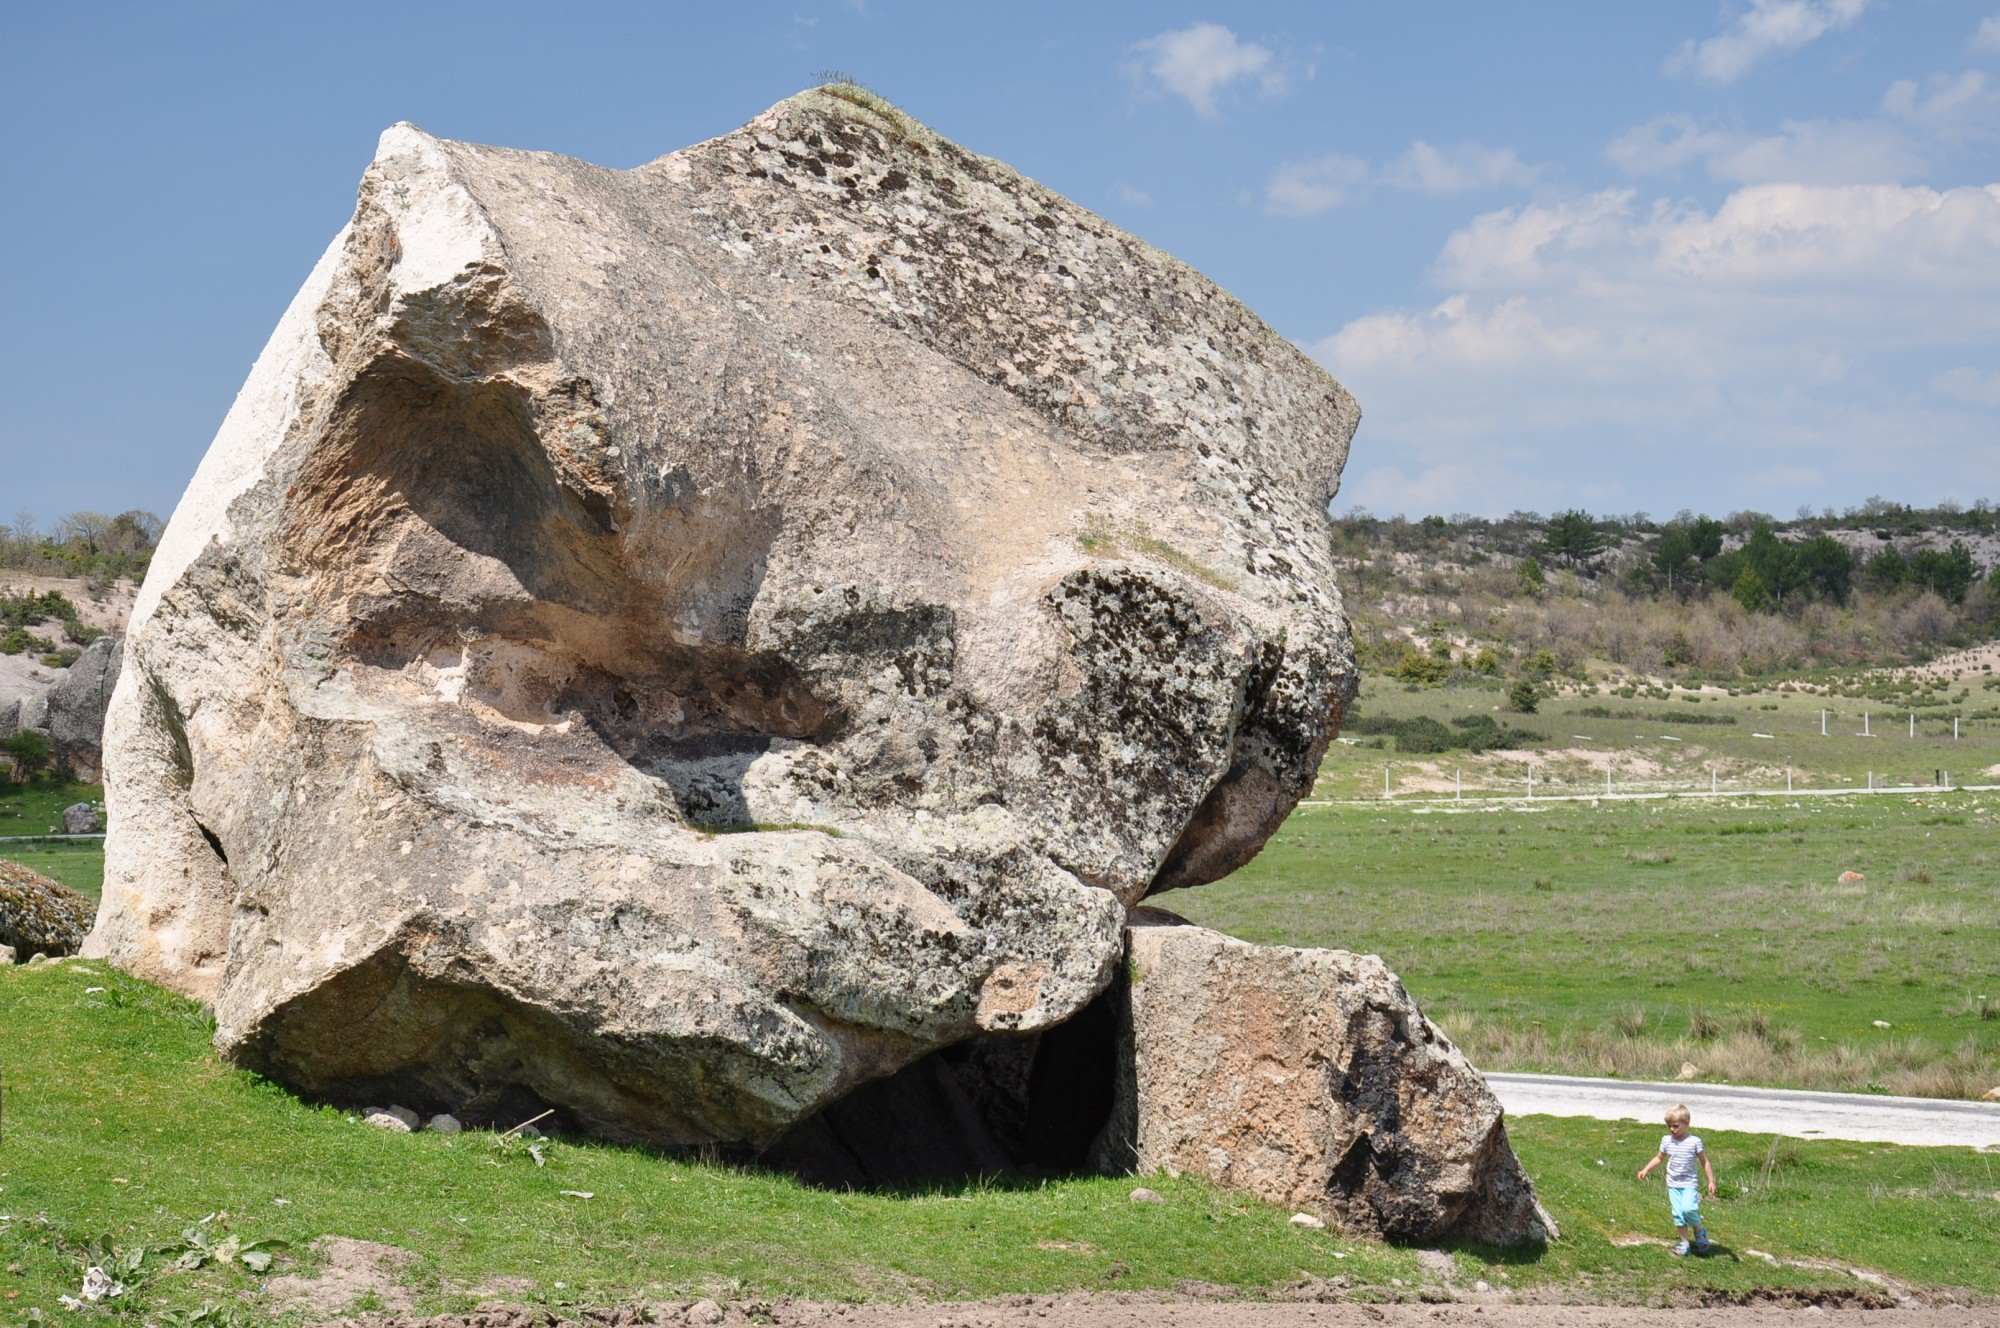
1117	1310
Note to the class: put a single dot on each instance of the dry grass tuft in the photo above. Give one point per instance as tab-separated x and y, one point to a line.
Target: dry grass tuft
1751	1050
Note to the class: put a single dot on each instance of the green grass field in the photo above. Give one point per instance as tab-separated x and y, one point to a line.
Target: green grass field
121	1129
1631	937
32	810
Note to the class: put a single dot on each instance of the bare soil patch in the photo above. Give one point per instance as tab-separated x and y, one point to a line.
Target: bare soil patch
353	1269
24	674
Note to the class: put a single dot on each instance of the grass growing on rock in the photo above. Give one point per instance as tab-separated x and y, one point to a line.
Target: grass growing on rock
123	1129
1626	938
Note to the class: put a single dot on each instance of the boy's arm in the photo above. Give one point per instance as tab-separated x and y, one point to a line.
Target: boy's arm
1708	1171
1647	1170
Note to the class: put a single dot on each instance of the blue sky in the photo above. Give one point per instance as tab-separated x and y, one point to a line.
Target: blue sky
1628	257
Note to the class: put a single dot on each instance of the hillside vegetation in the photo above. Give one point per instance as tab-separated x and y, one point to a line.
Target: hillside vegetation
89	545
1575	596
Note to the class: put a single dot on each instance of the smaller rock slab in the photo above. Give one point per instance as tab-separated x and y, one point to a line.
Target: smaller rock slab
1309	1078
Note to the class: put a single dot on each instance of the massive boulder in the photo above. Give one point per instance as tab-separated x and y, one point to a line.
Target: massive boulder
677	644
1311	1079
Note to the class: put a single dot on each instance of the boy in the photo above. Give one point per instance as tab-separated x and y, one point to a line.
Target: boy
1679	1149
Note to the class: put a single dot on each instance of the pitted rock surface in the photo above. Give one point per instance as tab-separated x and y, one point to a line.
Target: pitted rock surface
672	645
1310	1079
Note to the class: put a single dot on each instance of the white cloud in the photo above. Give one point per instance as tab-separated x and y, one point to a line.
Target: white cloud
1988	36
1981	388
1455	169
1802	152
1201	61
1125	193
1820	152
1301	188
1951	109
1768	27
1631	353
1666	144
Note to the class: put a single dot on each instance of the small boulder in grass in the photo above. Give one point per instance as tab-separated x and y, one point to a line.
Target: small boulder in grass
705	1313
1991	1095
1852	878
1308	1221
398	1120
41	916
1144	1195
1689	1070
443	1123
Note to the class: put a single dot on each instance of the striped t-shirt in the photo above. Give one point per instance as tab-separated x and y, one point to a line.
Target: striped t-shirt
1680	1154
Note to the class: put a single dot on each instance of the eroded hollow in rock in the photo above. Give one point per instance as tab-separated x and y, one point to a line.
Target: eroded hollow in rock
514	587
995	1106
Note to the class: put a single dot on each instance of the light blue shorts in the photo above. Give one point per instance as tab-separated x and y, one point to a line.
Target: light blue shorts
1686	1203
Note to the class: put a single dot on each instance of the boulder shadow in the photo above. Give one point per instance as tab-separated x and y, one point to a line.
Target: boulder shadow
998	1109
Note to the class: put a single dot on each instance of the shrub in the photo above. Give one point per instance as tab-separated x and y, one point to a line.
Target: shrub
30	751
16	641
1423	734
1524	697
1422	669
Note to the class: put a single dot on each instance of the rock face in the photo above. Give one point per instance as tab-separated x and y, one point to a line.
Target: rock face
77	706
1310	1079
676	644
70	712
39	916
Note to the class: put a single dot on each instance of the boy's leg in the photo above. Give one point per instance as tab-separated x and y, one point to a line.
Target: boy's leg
1686	1210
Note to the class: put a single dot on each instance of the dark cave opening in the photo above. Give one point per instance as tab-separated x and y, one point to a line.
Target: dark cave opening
1005	1105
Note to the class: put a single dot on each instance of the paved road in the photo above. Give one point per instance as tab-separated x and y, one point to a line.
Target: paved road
1861	1116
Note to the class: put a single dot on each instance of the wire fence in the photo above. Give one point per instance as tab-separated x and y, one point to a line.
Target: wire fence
1637	791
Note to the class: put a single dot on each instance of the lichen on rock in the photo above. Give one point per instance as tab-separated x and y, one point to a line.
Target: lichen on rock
40	915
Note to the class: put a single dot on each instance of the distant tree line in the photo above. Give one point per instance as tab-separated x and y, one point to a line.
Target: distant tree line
90	545
1763	563
1465	597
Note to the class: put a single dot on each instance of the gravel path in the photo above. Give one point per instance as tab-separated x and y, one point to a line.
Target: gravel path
1866	1117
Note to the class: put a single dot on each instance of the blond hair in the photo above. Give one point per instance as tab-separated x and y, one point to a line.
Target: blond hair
1678	1114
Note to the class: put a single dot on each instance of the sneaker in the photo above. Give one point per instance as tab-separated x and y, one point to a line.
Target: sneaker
1701	1240
1681	1248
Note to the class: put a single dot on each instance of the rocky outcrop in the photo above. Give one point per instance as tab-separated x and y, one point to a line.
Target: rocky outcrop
39	916
674	645
1310	1079
70	712
77	705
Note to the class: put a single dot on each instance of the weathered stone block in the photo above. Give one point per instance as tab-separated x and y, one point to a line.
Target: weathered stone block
1310	1079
